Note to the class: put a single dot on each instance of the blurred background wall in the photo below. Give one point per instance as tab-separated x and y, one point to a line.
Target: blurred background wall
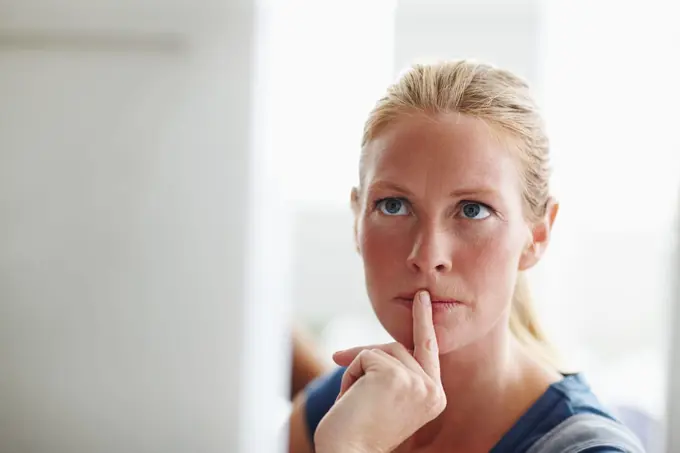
139	228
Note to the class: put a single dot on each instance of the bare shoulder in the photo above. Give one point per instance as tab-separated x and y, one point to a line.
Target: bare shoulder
298	436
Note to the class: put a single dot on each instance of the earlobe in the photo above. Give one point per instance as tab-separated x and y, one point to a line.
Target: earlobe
529	257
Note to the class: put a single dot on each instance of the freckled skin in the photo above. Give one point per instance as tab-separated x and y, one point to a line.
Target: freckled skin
436	167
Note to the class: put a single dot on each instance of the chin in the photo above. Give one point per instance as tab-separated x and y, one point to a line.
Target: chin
452	341
453	332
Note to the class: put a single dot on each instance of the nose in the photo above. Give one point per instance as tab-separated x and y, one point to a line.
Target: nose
431	252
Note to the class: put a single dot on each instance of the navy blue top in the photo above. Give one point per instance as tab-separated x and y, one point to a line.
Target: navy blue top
572	395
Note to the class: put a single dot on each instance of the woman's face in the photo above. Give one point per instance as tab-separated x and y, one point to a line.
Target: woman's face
440	208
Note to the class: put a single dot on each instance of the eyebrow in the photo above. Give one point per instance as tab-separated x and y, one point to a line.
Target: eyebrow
458	193
389	186
462	193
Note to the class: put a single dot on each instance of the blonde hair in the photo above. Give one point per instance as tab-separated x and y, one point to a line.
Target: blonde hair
503	101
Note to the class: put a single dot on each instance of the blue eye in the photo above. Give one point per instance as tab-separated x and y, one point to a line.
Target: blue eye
475	211
392	206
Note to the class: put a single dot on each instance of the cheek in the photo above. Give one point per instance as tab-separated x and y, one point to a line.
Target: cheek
489	264
382	244
489	252
385	245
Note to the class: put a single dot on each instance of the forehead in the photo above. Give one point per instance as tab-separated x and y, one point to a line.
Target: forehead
451	150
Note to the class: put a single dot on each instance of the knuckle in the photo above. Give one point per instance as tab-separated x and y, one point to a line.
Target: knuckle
436	402
378	352
366	353
432	395
431	387
401	374
420	394
398	377
429	344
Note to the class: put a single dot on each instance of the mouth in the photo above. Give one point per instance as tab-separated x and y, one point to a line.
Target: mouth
437	301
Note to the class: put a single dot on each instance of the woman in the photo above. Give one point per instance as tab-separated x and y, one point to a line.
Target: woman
452	207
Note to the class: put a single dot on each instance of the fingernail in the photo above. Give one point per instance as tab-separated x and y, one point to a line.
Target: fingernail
424	297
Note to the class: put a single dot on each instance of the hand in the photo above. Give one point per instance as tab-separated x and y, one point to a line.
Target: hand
387	392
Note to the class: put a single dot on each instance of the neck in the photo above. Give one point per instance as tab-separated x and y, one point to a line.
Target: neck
494	372
483	365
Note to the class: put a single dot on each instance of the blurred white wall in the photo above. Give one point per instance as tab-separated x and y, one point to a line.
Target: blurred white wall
607	77
142	247
504	33
327	85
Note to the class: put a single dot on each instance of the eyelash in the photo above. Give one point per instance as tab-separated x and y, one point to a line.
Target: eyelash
377	202
464	202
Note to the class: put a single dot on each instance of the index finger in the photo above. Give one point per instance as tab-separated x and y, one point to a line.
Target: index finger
425	348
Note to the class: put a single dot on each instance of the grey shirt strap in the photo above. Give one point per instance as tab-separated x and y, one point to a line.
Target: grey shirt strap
582	431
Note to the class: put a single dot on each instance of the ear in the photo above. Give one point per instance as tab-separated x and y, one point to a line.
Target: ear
540	237
356	209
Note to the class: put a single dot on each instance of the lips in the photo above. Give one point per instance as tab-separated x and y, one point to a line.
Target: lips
436	299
